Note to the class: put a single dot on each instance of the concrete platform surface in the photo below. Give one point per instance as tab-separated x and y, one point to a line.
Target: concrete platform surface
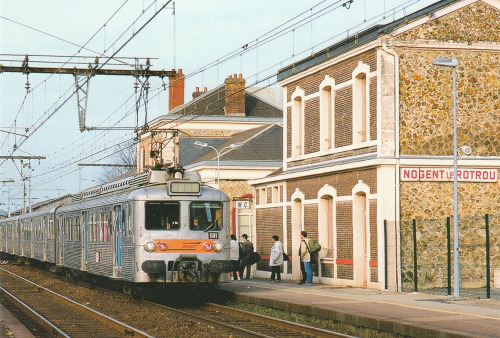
11	327
408	314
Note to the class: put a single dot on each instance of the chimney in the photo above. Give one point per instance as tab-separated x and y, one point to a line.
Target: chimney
176	90
198	92
234	96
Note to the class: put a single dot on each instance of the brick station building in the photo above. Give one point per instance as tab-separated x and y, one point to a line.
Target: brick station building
368	143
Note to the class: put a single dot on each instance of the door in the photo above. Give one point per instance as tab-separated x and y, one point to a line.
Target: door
60	240
117	228
84	235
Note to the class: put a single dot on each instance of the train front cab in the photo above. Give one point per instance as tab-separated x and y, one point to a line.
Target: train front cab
173	248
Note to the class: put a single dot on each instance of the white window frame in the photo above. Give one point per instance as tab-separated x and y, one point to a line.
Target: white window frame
327	116
361	104
297	122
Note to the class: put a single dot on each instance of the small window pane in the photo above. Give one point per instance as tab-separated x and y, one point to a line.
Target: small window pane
206	216
162	215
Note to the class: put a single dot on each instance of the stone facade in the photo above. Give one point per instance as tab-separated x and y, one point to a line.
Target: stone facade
426	122
350	194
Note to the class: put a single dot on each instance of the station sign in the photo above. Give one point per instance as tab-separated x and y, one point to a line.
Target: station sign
242	204
446	175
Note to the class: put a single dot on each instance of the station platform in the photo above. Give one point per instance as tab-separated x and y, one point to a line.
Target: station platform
11	327
406	314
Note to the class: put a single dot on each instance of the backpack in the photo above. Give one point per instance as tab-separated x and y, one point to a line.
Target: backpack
254	258
313	246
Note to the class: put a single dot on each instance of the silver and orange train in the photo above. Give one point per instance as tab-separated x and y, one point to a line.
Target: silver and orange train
156	228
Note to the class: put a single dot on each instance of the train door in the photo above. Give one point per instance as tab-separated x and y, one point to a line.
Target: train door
84	235
45	237
33	226
117	228
22	236
60	241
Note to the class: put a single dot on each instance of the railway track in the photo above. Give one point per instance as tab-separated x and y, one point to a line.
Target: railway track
228	321
59	315
248	324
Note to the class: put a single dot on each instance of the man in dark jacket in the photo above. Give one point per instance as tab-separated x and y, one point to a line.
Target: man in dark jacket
246	252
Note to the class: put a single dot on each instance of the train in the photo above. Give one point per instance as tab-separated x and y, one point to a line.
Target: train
155	229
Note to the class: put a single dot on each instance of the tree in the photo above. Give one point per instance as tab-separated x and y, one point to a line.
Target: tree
124	153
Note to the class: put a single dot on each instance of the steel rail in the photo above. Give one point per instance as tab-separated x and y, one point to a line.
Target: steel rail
32	314
279	323
115	324
242	332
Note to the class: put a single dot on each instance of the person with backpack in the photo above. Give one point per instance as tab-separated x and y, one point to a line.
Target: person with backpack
305	256
246	253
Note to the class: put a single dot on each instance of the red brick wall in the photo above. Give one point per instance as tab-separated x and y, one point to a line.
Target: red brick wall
289	132
269	223
343	182
334	156
373	108
235	96
343	117
341	72
311	126
311	220
373	230
344	230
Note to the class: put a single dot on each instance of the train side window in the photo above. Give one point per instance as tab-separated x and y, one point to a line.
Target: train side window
124	219
206	216
105	226
91	228
129	219
76	233
99	235
162	215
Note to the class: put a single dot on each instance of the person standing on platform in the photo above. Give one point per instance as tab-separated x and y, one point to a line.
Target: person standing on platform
235	257
302	269
276	259
247	250
305	256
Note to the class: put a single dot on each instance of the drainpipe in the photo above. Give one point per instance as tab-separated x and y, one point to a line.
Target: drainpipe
396	156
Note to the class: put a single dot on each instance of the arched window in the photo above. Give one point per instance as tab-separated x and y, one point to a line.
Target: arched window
297	122
361	234
361	103
326	113
326	220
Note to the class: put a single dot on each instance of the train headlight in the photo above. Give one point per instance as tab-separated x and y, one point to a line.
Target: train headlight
207	246
162	246
150	246
218	247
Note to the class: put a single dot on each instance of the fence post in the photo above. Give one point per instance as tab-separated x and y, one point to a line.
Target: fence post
385	253
415	278
487	228
448	239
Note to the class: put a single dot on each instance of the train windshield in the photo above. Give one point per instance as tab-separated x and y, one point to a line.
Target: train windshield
162	215
206	216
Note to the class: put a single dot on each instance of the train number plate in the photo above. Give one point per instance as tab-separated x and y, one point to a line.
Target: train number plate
213	235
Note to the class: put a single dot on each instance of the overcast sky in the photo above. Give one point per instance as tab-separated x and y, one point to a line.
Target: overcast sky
196	39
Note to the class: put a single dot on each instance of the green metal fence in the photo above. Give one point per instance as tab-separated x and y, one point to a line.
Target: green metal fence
427	256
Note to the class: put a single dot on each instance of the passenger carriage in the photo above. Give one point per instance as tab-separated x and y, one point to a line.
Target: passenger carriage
138	230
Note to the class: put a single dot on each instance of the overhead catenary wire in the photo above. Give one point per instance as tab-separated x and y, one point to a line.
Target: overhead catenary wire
101	65
101	54
262	80
281	61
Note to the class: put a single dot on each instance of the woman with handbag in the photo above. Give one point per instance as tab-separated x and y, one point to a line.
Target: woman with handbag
276	259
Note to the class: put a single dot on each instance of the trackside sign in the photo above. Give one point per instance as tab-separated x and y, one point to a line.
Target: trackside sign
446	175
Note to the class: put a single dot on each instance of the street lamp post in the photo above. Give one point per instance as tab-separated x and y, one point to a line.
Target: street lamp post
449	62
200	144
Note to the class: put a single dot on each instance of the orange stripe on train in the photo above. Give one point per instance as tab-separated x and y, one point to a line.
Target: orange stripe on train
184	245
